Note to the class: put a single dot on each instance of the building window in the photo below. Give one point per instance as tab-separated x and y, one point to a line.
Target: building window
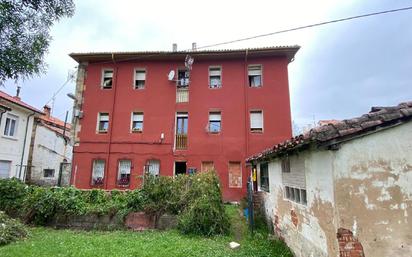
182	78
286	165
48	173
5	168
103	124
98	172
207	166
297	195
181	130
10	127
123	177
215	77
107	79
235	175
152	167
256	121
137	122
255	75
264	177
139	78
215	122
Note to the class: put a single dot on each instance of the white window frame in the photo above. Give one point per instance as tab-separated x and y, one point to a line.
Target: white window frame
211	113
99	116
135	78
104	76
249	68
93	170
119	171
137	114
153	171
11	117
210	75
256	129
295	194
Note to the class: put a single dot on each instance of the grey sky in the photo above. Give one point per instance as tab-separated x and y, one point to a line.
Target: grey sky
341	70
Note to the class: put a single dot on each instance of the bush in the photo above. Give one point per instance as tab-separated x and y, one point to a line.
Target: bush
205	213
12	194
10	229
195	198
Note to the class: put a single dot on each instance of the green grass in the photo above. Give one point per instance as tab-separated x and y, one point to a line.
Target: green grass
50	242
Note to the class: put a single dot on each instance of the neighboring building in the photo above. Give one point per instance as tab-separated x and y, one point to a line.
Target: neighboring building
16	121
50	151
131	118
344	188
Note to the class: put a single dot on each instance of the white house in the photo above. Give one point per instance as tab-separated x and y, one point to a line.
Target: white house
50	151
16	121
343	188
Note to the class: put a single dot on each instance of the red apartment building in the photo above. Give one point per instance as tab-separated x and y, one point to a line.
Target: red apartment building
153	112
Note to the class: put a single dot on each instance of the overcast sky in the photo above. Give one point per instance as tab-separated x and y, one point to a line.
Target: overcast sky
341	70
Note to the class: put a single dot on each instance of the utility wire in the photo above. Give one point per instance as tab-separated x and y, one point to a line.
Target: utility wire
275	32
70	78
308	26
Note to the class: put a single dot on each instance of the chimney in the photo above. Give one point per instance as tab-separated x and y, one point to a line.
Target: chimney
17	96
47	110
174	47
194	48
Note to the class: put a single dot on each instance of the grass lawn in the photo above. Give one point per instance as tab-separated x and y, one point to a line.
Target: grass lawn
51	242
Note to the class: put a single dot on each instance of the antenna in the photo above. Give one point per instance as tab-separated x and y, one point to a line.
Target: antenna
189	62
171	75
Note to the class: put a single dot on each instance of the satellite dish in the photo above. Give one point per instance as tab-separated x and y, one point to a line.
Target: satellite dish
171	75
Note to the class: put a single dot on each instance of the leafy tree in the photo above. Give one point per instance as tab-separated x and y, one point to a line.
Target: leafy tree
24	34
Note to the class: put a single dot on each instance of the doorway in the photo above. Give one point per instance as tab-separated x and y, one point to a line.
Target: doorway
180	168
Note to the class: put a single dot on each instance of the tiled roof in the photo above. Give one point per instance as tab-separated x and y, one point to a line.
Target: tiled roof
17	101
335	131
58	130
127	56
54	121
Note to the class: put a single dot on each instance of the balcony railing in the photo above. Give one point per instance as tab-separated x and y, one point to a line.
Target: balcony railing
182	95
181	141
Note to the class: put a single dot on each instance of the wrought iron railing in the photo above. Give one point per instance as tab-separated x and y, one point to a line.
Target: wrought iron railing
181	141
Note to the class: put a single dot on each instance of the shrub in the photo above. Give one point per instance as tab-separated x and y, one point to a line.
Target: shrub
10	229
12	194
205	213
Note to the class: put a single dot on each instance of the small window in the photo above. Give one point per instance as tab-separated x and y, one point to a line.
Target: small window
123	177
215	77
296	195
139	78
98	172
286	165
137	122
264	177
256	121
255	75
152	167
214	122
107	80
182	78
10	127
207	166
103	125
48	173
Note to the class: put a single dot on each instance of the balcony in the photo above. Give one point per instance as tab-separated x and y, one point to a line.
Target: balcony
182	94
181	141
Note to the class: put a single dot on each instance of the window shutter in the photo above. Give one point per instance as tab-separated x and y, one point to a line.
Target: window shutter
214	116
104	117
137	117
140	75
256	120
214	72
108	74
255	70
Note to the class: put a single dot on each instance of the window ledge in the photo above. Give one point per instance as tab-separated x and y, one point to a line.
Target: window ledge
11	138
137	131
256	131
214	133
102	132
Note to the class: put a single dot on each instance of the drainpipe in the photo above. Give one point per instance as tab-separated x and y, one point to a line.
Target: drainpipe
246	104
24	142
112	118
